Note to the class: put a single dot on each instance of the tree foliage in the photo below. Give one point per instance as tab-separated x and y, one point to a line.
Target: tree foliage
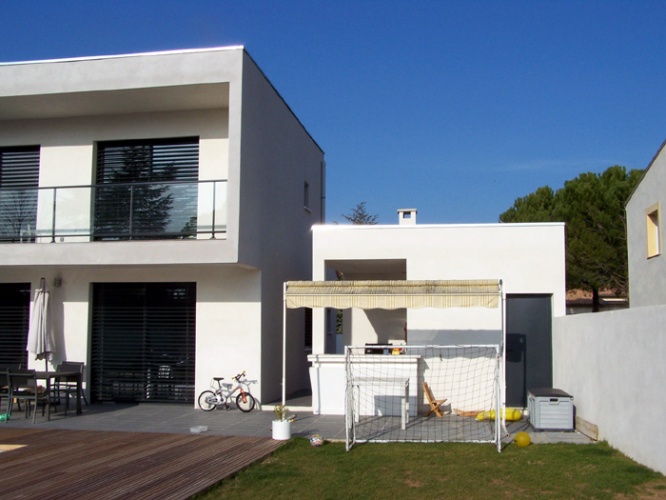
535	207
359	215
592	206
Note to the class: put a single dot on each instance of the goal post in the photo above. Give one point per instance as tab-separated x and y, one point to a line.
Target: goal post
433	393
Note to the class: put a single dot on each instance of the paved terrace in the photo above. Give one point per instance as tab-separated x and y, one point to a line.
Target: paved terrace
148	450
179	418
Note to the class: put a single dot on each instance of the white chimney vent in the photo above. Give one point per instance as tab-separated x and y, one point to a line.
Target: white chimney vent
407	216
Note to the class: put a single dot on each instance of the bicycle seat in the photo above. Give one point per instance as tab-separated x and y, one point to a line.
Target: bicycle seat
217	379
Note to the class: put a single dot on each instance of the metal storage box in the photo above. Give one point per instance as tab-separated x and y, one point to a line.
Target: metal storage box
550	409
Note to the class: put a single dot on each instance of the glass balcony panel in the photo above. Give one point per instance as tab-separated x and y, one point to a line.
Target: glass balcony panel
119	212
72	221
212	209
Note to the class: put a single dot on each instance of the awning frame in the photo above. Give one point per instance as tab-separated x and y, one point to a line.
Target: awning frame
414	294
403	294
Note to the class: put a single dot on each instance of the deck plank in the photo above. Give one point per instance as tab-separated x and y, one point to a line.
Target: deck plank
105	464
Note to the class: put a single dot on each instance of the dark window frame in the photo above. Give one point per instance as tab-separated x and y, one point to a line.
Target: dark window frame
146	189
143	342
19	182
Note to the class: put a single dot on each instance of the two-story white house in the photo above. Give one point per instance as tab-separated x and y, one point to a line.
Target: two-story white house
164	198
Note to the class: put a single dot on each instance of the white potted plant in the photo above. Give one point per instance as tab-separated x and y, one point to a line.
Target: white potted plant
281	425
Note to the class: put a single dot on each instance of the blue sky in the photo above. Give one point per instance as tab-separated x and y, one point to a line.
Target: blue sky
454	108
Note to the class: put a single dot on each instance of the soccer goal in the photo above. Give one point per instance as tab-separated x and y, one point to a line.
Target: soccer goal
423	394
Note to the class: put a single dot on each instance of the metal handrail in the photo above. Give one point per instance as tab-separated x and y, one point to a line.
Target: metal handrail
154	210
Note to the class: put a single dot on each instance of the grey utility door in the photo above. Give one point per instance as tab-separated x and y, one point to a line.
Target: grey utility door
529	352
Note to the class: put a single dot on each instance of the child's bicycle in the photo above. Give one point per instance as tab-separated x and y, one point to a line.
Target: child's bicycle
210	399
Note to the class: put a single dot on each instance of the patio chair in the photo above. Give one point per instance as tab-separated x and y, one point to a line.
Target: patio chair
23	386
66	386
435	404
4	383
4	390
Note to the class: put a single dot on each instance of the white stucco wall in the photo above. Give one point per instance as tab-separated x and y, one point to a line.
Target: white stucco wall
528	258
278	158
375	326
228	317
67	105
612	364
647	275
67	156
179	68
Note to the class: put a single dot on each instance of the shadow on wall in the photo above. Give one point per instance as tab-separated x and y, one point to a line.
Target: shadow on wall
455	337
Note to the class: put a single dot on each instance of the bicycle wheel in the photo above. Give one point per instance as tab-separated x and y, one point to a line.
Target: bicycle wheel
245	402
207	400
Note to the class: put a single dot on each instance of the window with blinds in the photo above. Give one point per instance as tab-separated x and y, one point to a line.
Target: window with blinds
19	179
146	189
143	342
14	323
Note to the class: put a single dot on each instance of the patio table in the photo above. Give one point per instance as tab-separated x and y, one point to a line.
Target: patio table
76	375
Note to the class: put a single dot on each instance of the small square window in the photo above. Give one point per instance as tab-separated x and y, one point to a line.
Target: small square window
653	224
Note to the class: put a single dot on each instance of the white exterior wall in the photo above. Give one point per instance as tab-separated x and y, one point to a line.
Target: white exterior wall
248	136
612	363
228	328
67	156
278	158
528	258
647	275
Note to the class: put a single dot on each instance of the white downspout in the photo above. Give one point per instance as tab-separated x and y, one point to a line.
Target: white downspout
284	344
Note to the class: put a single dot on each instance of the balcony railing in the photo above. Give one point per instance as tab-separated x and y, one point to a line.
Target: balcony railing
112	212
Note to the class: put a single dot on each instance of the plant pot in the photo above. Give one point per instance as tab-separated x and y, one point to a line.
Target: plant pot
281	430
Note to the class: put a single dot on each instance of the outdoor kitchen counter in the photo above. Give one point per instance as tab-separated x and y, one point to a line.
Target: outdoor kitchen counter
329	380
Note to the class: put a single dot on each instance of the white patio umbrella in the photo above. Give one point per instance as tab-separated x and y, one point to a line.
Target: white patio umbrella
40	333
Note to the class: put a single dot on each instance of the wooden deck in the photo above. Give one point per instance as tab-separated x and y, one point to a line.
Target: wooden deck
100	465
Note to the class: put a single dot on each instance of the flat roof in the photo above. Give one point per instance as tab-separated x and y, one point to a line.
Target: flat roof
356	227
116	56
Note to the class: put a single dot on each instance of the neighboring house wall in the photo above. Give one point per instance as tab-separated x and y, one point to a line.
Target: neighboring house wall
647	264
612	363
249	139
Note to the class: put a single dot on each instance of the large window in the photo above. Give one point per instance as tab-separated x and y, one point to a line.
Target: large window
19	179
14	322
146	189
143	342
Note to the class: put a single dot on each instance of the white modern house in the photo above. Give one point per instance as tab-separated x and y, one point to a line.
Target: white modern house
647	267
164	198
528	260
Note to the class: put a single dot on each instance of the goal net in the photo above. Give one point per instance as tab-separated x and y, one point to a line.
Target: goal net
423	394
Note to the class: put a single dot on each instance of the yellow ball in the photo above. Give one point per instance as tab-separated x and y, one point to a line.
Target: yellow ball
522	440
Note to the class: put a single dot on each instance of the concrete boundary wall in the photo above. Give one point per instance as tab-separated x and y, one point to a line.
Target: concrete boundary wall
614	365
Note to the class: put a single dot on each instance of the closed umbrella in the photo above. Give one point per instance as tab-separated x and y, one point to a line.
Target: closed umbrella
40	334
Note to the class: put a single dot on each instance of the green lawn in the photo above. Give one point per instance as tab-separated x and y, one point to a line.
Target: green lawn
443	470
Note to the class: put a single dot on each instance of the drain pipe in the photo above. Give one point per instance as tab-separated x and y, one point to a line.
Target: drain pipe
284	344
